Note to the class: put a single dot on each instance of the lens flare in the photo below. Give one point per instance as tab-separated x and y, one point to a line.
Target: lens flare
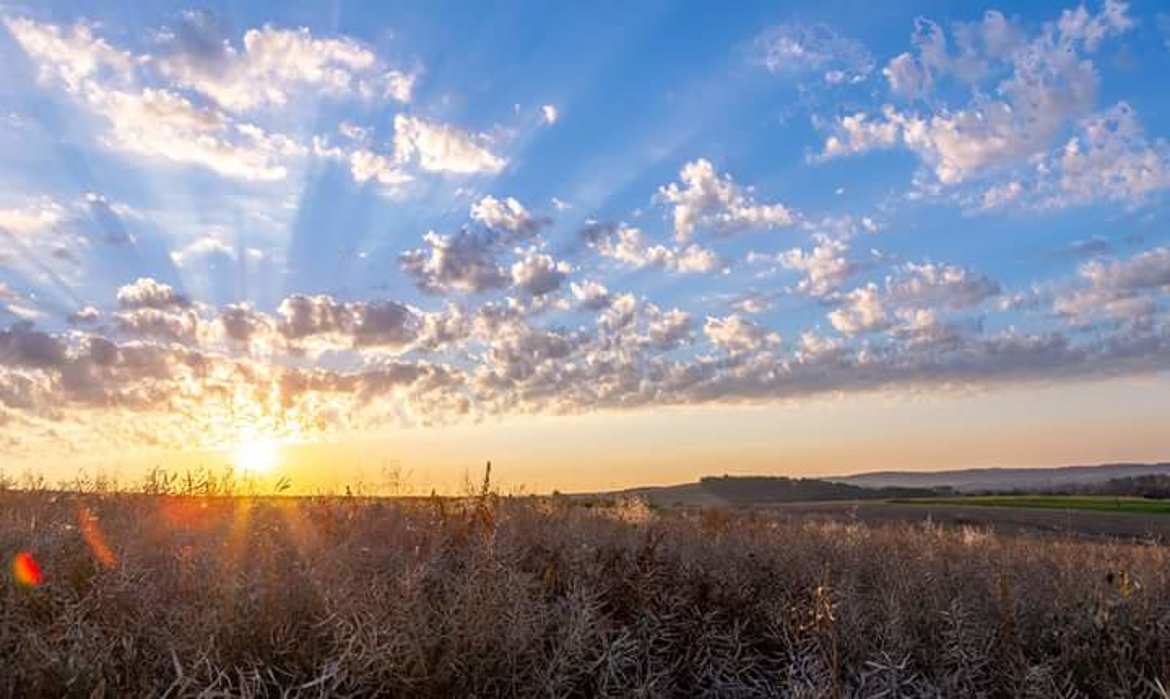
26	570
92	533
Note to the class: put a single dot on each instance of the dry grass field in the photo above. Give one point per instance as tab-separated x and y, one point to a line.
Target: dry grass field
189	595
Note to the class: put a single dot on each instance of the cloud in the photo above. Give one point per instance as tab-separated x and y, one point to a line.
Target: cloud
629	246
591	295
939	285
798	49
1112	160
550	114
443	148
1126	289
1005	126
736	334
825	266
34	217
325	323
712	202
204	248
366	165
538	274
913	287
507	215
153	121
862	310
274	65
463	262
146	292
74	56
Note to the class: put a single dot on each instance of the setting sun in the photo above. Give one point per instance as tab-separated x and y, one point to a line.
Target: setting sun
257	456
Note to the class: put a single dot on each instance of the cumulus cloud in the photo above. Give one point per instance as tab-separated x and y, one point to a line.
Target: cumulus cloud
146	292
707	200
1010	123
861	310
629	246
736	334
538	274
550	114
939	285
1112	160
146	120
204	248
591	295
1126	289
443	148
508	215
825	267
463	262
326	323
273	65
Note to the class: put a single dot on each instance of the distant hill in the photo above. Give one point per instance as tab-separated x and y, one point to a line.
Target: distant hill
1001	479
761	490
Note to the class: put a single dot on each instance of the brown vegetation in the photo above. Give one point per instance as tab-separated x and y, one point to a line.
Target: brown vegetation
488	596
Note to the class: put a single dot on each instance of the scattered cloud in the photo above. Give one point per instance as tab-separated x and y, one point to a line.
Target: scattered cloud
443	148
801	49
709	201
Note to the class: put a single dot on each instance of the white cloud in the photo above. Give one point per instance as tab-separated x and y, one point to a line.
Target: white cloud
507	215
274	65
163	124
539	274
857	133
796	49
591	295
365	165
34	217
737	334
550	114
939	285
707	200
826	267
1112	160
628	245
146	292
74	56
669	329
1001	195
151	121
202	248
443	148
861	311
1004	126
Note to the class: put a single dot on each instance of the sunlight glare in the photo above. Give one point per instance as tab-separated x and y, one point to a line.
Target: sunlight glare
257	456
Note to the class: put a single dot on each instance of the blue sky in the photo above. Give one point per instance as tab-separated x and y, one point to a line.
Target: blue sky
296	220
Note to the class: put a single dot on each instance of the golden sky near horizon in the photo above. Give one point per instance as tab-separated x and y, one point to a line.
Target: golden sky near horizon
1081	423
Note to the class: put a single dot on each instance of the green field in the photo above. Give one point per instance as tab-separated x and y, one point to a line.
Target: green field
1096	503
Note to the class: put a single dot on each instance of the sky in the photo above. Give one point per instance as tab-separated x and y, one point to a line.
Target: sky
599	245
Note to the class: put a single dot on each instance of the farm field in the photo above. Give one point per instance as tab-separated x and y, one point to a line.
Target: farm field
1007	519
119	594
1095	503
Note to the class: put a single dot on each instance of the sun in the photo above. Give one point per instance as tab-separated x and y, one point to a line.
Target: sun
256	456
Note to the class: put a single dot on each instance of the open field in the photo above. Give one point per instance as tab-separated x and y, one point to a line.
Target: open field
1094	503
1097	524
537	596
